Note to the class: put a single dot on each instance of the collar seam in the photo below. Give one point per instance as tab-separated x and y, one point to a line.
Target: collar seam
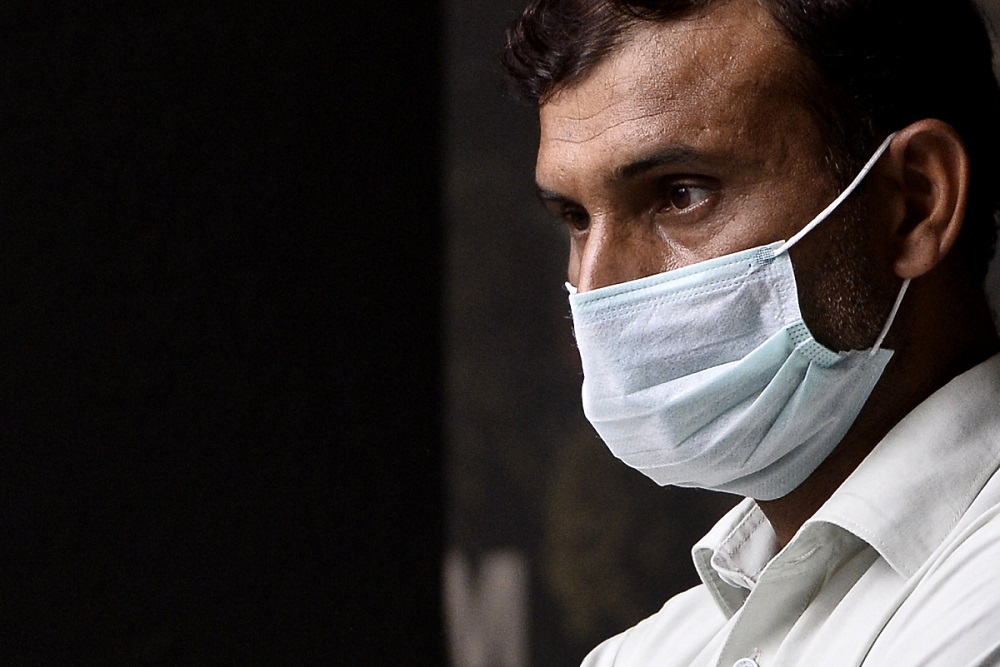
749	525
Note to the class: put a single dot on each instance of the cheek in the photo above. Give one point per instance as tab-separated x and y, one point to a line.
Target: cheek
845	293
786	206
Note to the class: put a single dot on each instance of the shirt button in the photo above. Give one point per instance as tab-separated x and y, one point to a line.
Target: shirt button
745	662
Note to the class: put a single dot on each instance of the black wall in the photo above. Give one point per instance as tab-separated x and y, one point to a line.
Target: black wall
219	278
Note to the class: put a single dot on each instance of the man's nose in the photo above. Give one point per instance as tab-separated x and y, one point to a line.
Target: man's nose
614	254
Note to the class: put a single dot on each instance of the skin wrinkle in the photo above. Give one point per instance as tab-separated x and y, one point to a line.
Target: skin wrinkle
588	117
616	86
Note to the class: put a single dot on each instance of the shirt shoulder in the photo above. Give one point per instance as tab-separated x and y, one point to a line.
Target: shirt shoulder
950	617
675	635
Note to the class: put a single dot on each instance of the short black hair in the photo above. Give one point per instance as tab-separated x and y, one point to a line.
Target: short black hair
874	66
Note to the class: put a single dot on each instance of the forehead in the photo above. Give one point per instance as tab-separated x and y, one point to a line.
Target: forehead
727	76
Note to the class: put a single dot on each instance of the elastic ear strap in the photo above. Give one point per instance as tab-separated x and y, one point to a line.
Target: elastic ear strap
892	316
840	198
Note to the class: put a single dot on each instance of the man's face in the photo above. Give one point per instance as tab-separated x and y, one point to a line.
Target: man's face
690	142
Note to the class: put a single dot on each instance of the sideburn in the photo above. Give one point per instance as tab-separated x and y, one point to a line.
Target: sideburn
845	292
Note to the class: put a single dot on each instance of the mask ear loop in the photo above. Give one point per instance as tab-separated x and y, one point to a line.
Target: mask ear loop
825	213
892	316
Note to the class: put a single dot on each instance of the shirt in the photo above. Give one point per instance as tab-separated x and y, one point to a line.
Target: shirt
900	567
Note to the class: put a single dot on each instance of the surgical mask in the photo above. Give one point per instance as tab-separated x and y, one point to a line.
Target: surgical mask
706	376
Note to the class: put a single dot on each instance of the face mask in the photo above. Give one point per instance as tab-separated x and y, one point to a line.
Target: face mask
706	376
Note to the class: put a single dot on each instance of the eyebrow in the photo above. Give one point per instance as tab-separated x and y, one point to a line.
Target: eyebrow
549	196
672	156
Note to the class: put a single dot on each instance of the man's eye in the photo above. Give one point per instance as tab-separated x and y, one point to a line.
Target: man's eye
680	197
575	219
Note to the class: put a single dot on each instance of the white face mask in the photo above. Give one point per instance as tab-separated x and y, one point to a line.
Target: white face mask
706	376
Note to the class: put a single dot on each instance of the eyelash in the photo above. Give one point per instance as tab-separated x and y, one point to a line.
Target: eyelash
674	188
578	220
575	219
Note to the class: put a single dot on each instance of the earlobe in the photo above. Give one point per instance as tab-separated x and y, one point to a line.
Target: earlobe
932	167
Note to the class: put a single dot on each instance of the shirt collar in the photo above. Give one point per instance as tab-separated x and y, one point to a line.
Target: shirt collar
903	499
913	488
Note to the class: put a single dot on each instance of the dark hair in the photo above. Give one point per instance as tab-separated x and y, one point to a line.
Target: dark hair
875	66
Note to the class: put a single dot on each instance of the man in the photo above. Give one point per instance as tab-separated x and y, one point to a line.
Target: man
780	215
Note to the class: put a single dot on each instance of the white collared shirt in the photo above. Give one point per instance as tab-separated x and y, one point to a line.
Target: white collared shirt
899	568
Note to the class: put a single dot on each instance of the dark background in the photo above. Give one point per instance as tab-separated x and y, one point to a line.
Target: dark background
220	259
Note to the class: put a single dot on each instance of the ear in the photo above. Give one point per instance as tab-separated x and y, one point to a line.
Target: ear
931	167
